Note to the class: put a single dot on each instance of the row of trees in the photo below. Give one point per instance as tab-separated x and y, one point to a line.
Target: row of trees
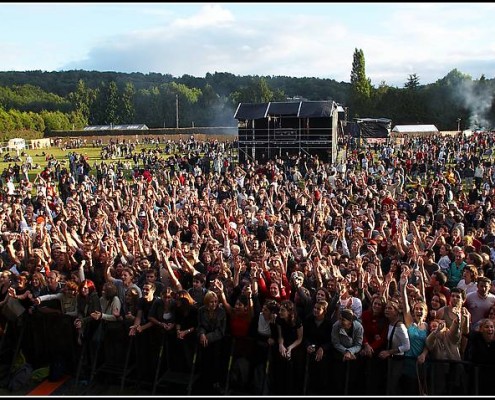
47	101
31	125
163	105
455	97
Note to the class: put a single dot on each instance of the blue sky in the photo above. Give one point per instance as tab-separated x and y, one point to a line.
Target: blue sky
299	40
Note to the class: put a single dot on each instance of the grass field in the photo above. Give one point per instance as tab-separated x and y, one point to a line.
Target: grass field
93	154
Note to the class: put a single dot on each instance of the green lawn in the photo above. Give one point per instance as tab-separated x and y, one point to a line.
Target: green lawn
93	154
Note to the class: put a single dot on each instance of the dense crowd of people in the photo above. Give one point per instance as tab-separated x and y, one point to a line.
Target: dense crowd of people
380	263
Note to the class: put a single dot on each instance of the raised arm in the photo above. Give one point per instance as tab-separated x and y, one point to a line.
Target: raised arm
408	320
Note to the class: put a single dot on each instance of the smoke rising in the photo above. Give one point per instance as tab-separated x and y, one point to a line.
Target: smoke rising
222	115
477	98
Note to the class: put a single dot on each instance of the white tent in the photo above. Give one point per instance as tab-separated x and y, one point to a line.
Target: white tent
16	144
41	143
414	130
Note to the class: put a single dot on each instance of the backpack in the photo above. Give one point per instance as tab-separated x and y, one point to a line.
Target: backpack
20	377
56	370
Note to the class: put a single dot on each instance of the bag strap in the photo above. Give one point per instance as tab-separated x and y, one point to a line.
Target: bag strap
109	304
389	344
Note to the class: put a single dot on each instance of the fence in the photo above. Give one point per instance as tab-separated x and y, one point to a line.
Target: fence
155	361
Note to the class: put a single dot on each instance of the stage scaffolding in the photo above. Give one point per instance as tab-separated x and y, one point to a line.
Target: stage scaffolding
283	129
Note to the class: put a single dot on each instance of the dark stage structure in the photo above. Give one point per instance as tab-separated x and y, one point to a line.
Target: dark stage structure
373	128
284	129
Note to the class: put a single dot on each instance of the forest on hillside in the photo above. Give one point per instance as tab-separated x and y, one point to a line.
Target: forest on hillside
40	102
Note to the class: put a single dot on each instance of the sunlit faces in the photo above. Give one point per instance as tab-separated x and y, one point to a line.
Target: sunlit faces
4	276
420	311
487	329
353	276
435	302
321	295
331	285
391	310
456	299
146	289
239	307
484	288
126	276
274	290
212	304
319	310
377	306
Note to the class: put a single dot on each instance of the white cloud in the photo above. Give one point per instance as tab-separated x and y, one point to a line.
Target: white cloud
209	16
313	39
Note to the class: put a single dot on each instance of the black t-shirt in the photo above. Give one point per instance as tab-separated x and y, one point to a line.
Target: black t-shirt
289	332
421	209
145	306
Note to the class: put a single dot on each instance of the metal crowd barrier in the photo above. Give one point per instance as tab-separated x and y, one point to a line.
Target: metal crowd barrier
110	352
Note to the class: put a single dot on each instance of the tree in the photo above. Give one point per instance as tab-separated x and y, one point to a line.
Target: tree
208	97
360	85
112	103
379	96
412	101
55	121
257	91
144	105
96	111
127	110
38	122
412	82
7	123
16	119
105	108
82	99
187	97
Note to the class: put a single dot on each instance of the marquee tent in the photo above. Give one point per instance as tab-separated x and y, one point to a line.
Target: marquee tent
414	130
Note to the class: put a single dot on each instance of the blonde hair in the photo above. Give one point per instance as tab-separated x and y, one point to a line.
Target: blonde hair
209	296
483	322
423	305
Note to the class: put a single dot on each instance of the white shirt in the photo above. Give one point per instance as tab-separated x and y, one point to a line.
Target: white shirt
478	306
400	340
263	326
468	288
10	187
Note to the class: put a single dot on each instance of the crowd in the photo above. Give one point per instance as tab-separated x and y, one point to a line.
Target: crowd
381	262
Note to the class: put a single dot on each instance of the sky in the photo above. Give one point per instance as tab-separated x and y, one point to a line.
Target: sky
266	39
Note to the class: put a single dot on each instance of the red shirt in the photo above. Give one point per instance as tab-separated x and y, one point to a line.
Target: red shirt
375	330
239	324
147	176
389	201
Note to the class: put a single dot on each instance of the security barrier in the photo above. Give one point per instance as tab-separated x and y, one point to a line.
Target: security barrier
156	360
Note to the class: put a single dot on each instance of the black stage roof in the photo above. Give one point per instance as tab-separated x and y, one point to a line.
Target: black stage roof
300	109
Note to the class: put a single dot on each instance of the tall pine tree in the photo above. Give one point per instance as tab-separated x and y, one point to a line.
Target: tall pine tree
360	85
